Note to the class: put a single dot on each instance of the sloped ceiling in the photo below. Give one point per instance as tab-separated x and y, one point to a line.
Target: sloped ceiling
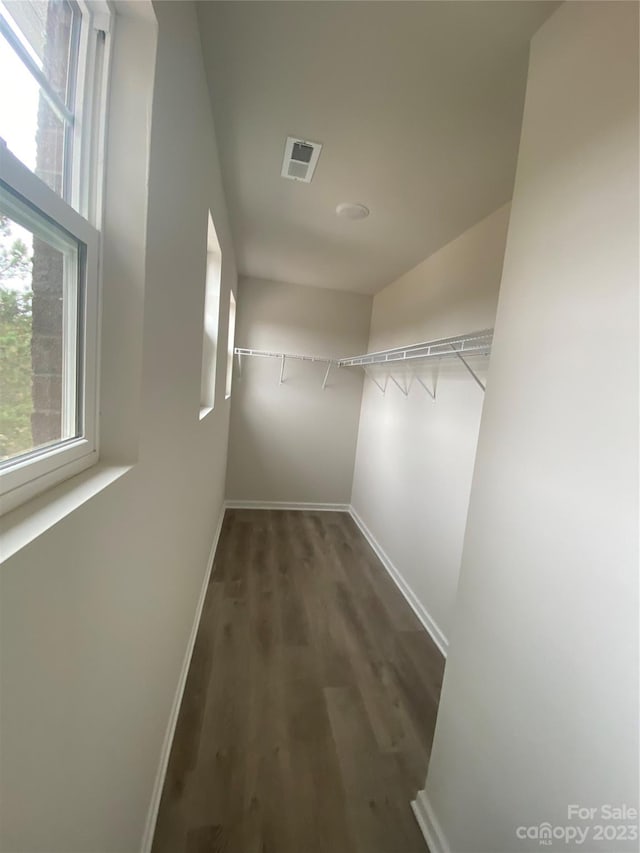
418	106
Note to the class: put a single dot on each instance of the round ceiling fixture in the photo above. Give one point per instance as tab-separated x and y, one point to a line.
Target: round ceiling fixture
349	210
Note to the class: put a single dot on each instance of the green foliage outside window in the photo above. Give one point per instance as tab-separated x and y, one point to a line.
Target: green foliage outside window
15	343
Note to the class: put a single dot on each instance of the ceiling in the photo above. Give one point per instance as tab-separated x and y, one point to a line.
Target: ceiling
418	106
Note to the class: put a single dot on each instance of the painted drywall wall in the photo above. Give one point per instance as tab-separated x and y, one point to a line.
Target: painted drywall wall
539	709
97	611
295	442
415	455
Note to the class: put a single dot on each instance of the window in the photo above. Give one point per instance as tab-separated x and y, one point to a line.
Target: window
211	315
51	124
230	343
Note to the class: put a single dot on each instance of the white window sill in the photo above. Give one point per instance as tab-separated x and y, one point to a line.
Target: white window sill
27	522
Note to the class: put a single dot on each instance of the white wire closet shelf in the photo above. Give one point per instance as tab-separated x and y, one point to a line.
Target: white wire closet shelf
477	343
283	356
263	353
458	346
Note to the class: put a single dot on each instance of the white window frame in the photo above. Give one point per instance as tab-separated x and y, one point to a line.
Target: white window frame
30	474
211	321
231	335
92	93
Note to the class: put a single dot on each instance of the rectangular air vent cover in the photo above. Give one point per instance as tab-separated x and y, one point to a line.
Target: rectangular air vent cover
300	158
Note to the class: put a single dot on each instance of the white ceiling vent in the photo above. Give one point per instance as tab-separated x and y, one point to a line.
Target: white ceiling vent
300	158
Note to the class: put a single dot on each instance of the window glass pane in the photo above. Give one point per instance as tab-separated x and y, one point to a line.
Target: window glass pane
42	36
47	29
50	146
39	347
18	106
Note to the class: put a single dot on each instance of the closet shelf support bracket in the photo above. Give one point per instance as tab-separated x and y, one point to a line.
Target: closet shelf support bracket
431	393
326	376
382	388
401	387
469	368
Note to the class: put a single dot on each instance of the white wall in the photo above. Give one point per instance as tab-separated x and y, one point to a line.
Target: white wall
540	702
96	612
295	442
415	456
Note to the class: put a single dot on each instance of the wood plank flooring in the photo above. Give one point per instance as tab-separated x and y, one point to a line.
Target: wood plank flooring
311	700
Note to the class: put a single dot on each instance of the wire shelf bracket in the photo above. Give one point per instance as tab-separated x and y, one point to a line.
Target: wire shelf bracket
403	388
431	393
326	376
469	368
370	375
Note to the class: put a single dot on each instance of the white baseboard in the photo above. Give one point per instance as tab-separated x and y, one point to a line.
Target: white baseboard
152	815
421	612
428	823
321	507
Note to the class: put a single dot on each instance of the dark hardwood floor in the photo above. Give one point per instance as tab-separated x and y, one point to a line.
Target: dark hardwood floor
310	704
